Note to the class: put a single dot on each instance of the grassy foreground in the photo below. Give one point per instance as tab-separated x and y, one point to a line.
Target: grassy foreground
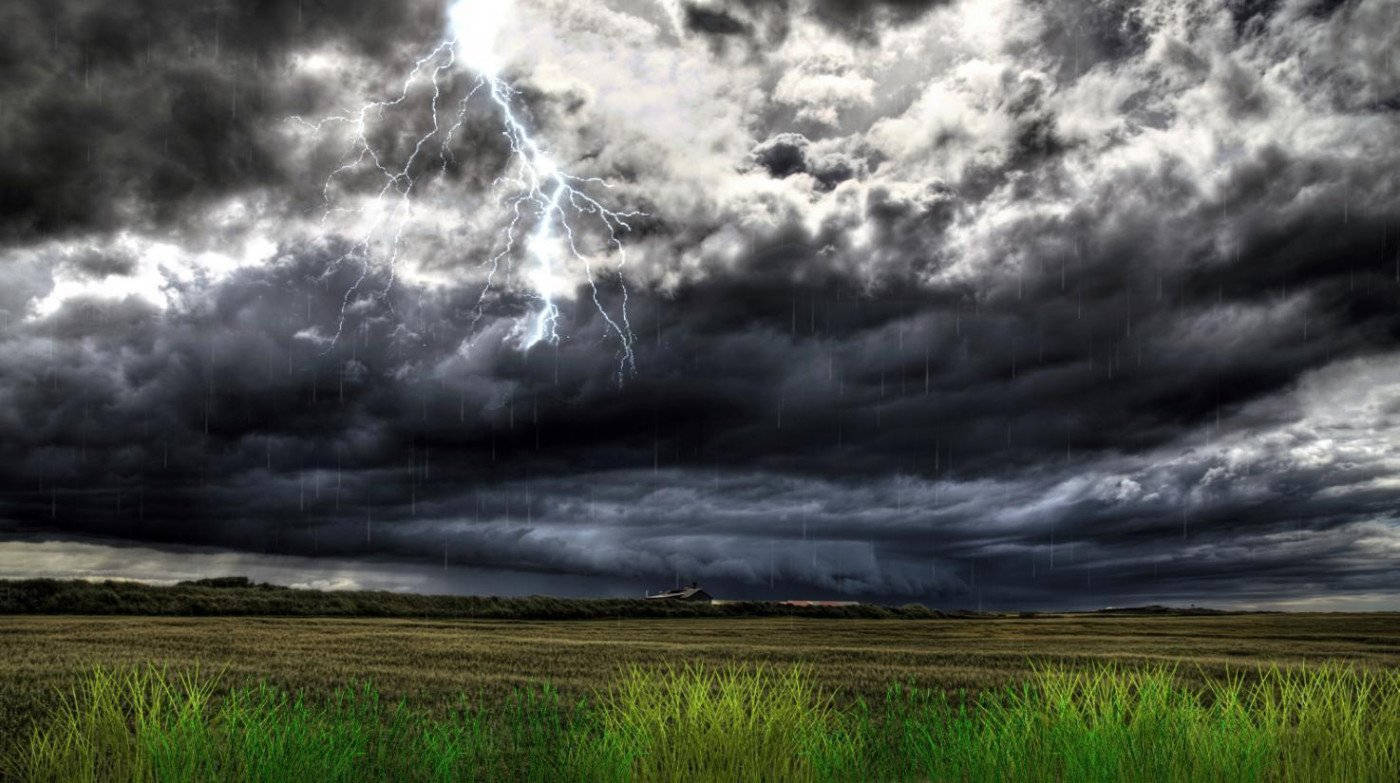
431	663
736	723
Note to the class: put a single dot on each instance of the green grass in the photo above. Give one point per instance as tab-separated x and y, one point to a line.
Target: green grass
735	723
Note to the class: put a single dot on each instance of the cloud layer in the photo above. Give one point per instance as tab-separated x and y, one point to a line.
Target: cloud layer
1010	303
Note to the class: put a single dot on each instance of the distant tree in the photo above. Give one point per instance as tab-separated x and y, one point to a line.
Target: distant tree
218	581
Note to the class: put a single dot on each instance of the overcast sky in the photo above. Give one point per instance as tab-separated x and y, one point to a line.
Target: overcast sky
995	303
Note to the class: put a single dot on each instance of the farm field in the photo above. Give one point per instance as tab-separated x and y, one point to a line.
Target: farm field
433	659
432	665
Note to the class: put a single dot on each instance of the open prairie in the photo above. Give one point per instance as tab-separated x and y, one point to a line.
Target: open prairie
436	666
854	656
435	660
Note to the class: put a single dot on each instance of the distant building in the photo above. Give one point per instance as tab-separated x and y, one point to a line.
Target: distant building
691	592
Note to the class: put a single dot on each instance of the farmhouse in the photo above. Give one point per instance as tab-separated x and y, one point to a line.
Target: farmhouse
691	592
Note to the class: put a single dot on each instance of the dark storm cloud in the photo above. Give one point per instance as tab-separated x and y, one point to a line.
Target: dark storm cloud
714	22
789	153
783	154
1025	364
120	113
100	262
862	18
770	20
1084	34
229	416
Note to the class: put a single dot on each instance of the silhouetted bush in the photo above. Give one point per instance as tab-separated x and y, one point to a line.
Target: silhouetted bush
218	581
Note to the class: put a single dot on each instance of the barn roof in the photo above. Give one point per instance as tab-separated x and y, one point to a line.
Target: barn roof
693	591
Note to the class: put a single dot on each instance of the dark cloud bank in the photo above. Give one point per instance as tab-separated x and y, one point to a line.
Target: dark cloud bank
1064	375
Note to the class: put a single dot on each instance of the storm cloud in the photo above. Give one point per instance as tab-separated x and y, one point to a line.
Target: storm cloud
1011	304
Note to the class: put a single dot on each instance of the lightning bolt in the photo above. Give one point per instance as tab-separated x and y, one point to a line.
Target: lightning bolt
550	211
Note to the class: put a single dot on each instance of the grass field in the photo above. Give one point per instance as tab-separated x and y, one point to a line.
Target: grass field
846	670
